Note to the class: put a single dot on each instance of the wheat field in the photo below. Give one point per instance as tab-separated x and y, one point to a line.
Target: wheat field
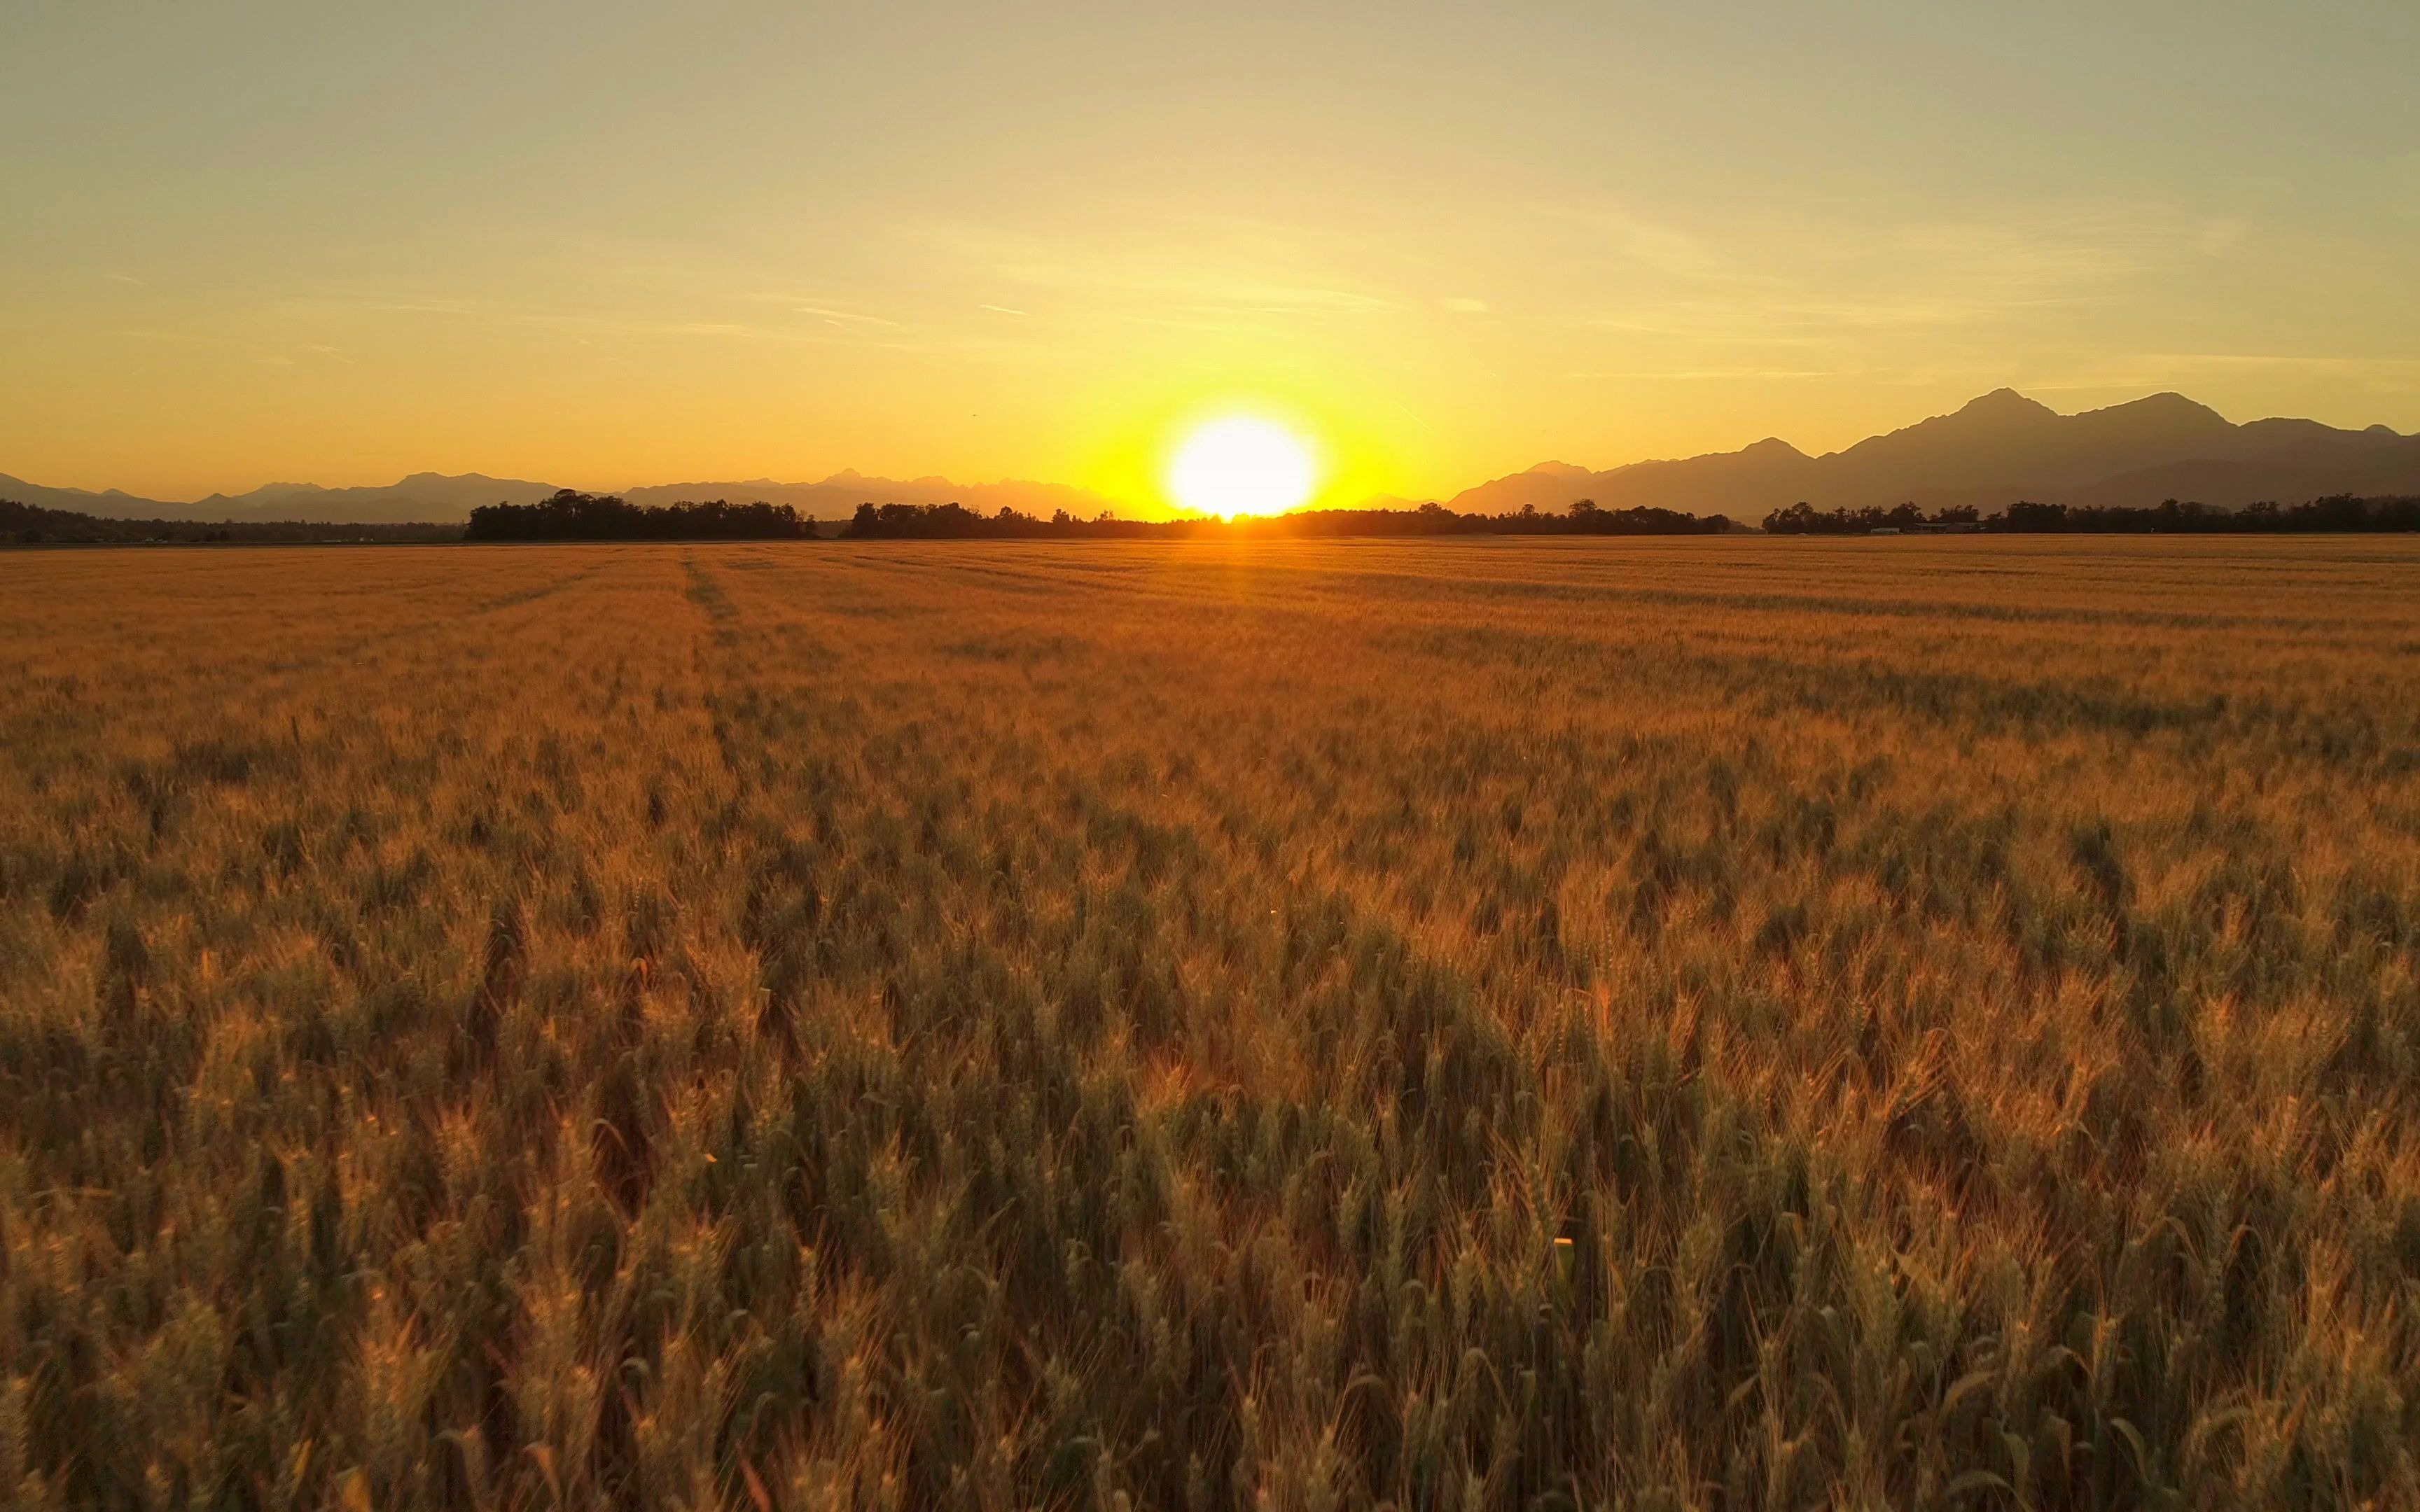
1483	1024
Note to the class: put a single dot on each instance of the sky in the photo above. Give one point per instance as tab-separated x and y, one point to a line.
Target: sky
615	243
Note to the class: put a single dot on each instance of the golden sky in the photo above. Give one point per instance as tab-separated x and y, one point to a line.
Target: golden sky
608	243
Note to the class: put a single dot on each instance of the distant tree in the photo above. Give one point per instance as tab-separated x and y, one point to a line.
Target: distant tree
24	524
570	516
2027	518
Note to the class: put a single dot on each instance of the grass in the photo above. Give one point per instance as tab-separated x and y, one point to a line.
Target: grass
1666	1024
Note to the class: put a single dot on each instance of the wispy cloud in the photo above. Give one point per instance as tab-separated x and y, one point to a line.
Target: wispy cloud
600	316
2151	370
843	318
1714	373
1799	278
373	302
2286	360
1207	269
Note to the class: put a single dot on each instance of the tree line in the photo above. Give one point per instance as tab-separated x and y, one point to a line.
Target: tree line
2337	512
572	516
956	523
31	525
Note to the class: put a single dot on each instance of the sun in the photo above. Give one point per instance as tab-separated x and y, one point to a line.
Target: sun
1241	465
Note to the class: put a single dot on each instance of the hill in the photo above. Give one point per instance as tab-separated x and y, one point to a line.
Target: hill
1996	449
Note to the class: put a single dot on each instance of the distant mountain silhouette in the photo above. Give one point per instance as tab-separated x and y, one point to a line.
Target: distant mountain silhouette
424	497
113	504
1997	449
436	498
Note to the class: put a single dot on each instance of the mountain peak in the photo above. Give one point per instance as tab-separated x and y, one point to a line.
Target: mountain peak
2167	406
2005	403
2168	420
1772	446
424	480
1559	470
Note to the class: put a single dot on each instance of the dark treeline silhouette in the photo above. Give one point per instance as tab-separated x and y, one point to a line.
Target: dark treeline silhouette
2338	511
956	523
1802	519
570	516
577	516
29	525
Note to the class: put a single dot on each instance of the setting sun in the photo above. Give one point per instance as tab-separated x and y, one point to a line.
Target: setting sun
1241	465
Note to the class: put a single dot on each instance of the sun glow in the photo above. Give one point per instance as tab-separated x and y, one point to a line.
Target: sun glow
1241	465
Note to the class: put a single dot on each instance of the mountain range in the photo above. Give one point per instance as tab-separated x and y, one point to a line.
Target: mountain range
437	497
1996	450
423	497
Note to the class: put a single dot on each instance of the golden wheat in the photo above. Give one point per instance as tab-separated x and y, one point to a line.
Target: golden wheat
1481	1024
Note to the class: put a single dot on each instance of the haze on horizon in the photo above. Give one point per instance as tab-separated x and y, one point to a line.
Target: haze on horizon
621	242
